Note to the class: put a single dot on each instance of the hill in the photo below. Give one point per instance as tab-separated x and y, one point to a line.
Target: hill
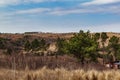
13	45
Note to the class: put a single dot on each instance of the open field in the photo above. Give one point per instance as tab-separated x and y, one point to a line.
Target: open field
59	74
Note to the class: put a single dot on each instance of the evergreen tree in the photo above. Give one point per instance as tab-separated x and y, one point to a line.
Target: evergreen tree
27	45
61	46
104	37
42	44
35	44
2	46
97	36
83	46
114	47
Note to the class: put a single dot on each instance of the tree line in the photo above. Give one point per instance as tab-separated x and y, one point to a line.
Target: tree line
35	45
86	47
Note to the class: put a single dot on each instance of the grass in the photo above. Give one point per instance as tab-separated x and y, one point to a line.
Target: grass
59	74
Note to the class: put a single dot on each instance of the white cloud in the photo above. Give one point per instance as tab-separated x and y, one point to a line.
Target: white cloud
15	2
114	9
54	11
71	11
62	11
100	2
103	9
33	11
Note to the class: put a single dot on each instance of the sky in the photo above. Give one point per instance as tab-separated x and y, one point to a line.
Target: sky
18	16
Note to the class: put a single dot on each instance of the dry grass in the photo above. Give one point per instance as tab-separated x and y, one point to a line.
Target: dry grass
59	74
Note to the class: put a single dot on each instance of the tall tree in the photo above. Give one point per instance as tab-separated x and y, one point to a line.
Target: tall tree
83	46
104	37
114	47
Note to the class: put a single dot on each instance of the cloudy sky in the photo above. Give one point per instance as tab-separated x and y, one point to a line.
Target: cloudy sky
59	15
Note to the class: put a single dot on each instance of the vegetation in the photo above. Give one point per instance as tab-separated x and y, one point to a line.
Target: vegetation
2	43
61	46
59	74
35	45
97	36
83	46
27	45
114	48
103	40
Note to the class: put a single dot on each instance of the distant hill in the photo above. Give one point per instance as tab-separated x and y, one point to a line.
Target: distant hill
16	41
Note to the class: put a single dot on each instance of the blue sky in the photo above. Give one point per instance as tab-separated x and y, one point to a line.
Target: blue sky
18	16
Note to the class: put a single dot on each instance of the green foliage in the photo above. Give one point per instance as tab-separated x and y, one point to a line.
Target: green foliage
1	44
27	45
114	40
115	47
118	54
97	36
104	36
83	46
42	44
62	46
35	44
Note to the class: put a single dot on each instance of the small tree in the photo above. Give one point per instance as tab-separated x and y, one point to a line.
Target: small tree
35	44
2	46
42	44
97	36
61	45
104	37
27	45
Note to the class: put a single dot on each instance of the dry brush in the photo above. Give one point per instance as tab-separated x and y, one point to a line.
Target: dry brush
59	74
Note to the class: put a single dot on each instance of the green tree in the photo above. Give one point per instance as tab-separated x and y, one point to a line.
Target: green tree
2	45
35	44
61	46
104	37
114	47
27	45
42	44
97	36
83	46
